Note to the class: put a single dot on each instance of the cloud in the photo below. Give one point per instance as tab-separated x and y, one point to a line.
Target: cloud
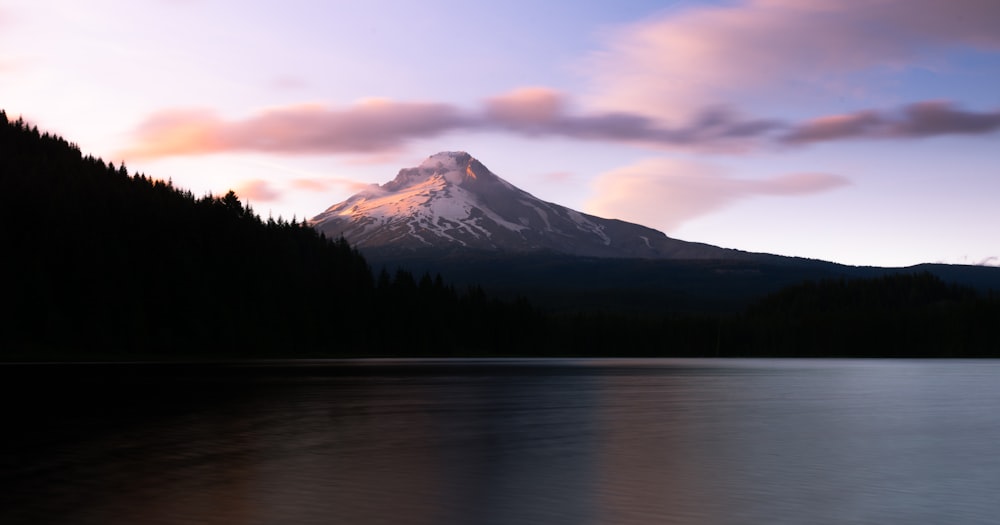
178	132
528	108
543	111
257	190
379	129
314	185
373	158
325	184
927	119
701	55
922	119
835	127
368	126
667	192
376	127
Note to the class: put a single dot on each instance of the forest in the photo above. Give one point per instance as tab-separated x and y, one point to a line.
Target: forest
100	263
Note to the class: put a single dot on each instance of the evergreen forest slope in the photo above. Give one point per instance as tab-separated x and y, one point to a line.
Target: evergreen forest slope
99	262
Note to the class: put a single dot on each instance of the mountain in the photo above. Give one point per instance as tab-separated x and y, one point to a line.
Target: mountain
453	216
452	201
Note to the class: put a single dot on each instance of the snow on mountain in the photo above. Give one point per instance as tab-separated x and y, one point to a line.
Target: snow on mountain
452	200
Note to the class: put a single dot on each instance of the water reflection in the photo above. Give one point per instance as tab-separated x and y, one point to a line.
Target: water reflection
553	442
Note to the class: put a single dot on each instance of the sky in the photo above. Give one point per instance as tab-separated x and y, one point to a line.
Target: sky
864	132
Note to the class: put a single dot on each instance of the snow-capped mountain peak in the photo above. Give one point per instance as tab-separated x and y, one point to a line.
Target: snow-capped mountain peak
451	200
452	166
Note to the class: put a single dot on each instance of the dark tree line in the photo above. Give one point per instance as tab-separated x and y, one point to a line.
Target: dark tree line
899	315
98	262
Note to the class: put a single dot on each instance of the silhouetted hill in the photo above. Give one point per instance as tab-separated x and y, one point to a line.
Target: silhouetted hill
102	261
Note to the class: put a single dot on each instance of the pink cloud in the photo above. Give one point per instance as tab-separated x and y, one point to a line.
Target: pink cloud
257	190
371	125
379	129
665	193
323	185
527	108
315	185
374	158
754	48
178	132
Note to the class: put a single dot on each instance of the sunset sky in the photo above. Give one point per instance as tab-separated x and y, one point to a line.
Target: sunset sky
864	132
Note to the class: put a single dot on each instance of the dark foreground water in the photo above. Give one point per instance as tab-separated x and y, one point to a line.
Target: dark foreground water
503	442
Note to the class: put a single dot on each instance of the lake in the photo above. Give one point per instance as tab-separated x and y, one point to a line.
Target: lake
504	442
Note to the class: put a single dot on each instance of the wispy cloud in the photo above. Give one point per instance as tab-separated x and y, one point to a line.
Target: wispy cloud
541	111
380	129
326	184
369	126
382	126
310	180
667	192
257	190
923	119
753	48
178	132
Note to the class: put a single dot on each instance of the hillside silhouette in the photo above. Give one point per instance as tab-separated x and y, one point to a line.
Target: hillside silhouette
103	263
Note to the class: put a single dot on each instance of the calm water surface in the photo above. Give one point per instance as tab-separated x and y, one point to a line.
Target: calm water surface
503	442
